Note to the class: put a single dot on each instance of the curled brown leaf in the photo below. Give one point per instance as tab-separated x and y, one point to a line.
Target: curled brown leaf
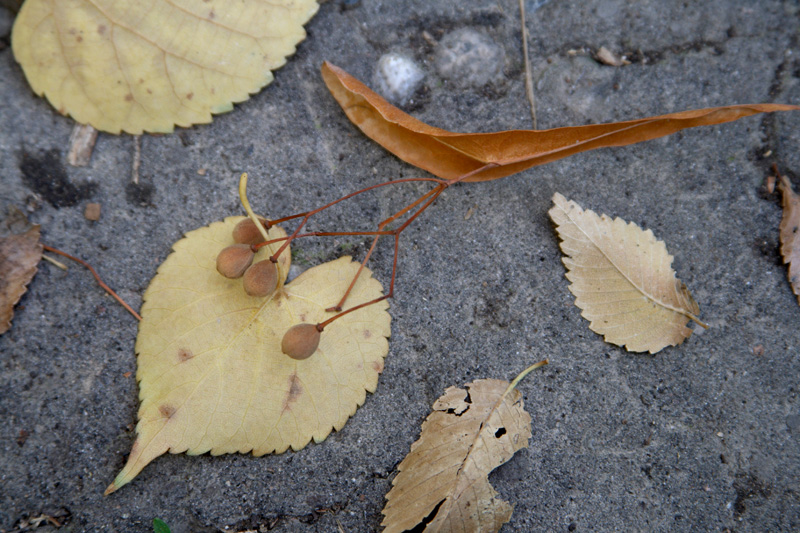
20	252
450	155
790	236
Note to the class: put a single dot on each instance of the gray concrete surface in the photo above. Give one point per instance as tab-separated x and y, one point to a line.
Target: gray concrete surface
702	437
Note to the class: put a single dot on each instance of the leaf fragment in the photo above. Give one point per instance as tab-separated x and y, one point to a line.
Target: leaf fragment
452	155
20	252
443	482
790	236
147	65
622	279
212	375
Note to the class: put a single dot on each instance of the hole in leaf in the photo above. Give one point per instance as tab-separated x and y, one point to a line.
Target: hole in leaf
468	398
500	432
420	528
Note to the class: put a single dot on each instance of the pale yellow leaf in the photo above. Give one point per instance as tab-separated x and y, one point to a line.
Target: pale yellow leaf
790	236
443	482
623	280
147	65
212	376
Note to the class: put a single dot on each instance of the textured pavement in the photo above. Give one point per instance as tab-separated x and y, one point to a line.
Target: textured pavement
700	437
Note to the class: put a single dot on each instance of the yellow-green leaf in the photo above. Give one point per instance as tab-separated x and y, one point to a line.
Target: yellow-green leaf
147	65
622	279
211	372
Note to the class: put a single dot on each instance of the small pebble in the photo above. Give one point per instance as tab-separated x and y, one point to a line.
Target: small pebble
607	57
92	212
469	58
398	77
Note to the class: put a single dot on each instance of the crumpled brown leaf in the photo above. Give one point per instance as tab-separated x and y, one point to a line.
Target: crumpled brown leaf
443	481
20	252
790	237
452	155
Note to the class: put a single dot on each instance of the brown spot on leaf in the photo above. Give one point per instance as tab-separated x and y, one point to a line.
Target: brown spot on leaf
79	38
184	354
189	96
211	15
101	29
302	317
129	97
377	366
367	334
295	390
166	410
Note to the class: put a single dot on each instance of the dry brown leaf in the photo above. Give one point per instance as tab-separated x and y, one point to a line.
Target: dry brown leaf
443	481
146	65
20	252
452	155
790	237
622	279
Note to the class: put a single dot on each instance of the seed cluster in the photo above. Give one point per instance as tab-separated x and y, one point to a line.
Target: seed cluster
260	279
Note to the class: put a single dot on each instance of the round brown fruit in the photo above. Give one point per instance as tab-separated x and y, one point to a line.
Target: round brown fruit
301	341
246	232
261	279
234	260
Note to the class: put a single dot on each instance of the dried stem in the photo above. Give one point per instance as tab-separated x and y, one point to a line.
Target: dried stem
412	211
522	375
528	75
137	159
97	277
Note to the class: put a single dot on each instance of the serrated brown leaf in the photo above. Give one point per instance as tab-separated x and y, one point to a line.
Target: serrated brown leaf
20	252
790	236
452	155
443	482
622	279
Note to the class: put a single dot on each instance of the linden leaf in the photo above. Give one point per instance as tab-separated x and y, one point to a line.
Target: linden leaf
790	237
622	279
212	376
443	483
20	252
146	65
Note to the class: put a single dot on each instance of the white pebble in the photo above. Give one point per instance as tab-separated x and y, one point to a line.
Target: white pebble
398	77
469	58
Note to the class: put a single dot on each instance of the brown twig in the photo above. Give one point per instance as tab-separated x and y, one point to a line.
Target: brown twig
528	74
137	159
97	277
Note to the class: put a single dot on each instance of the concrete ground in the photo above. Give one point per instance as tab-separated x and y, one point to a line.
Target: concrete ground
701	437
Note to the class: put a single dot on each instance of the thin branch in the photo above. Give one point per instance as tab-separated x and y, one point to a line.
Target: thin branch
137	159
97	277
528	74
